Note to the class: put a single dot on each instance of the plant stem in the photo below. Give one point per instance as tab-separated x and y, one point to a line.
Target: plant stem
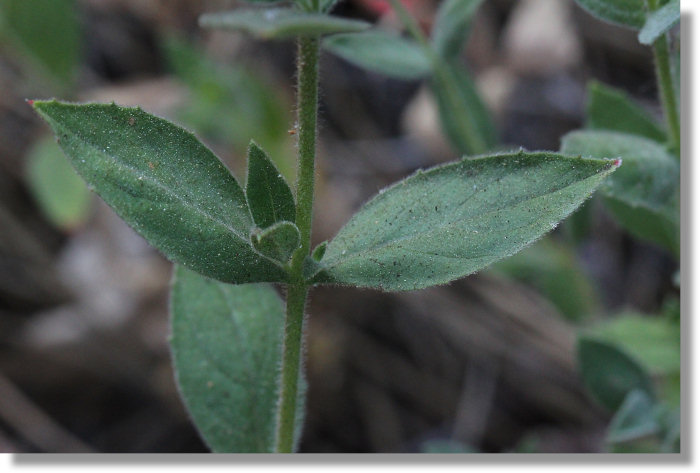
297	290
307	108
291	363
667	92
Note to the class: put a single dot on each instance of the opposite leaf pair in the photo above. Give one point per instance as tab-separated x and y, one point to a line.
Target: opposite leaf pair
431	228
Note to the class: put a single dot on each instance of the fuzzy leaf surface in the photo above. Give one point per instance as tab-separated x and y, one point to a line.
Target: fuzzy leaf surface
381	52
452	25
644	195
453	220
278	241
612	109
660	21
609	373
226	345
275	23
164	183
630	13
269	197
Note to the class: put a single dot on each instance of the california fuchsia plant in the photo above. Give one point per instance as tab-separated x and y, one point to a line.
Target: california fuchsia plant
237	346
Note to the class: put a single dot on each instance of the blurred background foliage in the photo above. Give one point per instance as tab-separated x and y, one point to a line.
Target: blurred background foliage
486	364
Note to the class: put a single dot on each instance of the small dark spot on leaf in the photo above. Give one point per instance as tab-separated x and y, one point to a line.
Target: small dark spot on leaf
132	120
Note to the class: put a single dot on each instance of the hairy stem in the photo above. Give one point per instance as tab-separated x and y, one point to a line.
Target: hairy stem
307	109
667	91
291	363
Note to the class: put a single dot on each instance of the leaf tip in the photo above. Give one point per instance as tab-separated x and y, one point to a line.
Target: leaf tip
30	102
617	163
253	146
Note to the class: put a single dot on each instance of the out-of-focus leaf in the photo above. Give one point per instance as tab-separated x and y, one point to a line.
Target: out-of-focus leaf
446	446
278	241
609	373
269	197
231	104
464	117
381	52
660	21
324	5
164	183
644	195
577	227
630	13
274	23
670	421
551	267
327	5
451	25
635	419
59	191
226	344
48	30
653	341
676	72
611	109
452	220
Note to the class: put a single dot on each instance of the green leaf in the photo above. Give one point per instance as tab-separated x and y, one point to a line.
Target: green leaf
660	21
653	341
552	268
381	52
164	183
280	23
48	30
269	197
630	13
323	6
327	5
277	242
611	109
319	251
635	419
455	219
464	117
439	445
59	191
226	345
609	373
671	430
644	195
451	25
